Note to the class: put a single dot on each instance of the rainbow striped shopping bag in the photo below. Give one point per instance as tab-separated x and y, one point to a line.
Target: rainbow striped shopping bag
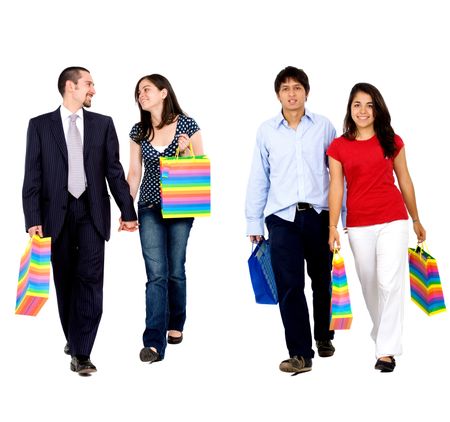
426	288
185	186
34	276
341	311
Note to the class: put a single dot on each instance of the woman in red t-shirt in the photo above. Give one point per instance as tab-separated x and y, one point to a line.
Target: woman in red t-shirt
367	155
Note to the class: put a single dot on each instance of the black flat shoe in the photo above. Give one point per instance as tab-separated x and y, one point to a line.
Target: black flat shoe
325	348
149	355
67	349
385	366
175	340
82	367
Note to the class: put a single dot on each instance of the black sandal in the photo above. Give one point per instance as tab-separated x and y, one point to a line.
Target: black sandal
385	366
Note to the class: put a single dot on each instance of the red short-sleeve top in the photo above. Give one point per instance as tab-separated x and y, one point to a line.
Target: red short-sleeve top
372	195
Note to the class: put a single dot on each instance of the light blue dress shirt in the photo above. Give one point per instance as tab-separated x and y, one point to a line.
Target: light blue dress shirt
289	166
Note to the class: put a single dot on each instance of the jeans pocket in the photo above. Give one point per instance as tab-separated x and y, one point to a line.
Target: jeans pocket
145	205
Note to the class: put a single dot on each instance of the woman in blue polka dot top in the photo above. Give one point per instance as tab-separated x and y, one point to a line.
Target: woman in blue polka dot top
162	128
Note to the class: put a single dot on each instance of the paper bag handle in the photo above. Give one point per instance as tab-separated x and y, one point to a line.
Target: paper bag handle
422	246
177	153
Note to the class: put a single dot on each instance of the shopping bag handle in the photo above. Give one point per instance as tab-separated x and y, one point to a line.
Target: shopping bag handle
35	237
254	245
177	153
422	246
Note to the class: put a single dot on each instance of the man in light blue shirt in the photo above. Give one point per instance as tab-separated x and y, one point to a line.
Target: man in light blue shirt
288	185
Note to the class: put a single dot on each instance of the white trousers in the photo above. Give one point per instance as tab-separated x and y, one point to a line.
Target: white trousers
380	254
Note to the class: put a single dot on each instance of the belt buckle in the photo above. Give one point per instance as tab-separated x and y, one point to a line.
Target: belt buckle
302	209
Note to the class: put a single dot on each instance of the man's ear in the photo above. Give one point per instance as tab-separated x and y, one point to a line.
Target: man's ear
70	86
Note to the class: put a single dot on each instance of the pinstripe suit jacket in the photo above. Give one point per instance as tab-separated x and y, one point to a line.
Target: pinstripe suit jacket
45	193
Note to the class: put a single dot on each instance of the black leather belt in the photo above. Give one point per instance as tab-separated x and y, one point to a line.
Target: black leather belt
303	206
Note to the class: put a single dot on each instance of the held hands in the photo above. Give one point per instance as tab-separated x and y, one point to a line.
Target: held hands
183	144
128	226
35	230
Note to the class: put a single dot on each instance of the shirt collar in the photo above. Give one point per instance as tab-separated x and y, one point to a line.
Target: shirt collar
65	113
279	119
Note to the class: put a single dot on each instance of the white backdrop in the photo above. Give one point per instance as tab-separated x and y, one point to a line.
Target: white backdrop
221	59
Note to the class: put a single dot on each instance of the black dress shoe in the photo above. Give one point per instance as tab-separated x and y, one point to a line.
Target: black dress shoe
82	367
149	355
67	349
175	340
385	366
325	348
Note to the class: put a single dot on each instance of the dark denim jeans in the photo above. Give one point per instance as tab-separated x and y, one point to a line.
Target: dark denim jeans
163	243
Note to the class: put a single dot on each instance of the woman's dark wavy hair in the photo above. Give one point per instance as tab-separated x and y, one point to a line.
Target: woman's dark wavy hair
171	108
382	118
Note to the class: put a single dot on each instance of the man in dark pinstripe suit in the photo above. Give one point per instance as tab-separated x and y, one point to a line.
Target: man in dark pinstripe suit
78	225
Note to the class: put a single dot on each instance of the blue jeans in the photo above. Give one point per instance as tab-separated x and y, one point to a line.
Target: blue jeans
163	243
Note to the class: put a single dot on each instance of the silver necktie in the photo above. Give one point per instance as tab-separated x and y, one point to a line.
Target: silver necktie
76	180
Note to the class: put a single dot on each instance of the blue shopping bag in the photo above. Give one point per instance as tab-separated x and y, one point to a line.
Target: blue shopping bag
261	274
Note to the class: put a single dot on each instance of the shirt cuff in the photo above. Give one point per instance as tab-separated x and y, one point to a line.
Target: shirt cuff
255	228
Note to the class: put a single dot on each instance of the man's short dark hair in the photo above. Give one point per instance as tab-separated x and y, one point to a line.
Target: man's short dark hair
292	72
72	73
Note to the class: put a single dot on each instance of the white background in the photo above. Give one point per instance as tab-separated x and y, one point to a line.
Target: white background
222	58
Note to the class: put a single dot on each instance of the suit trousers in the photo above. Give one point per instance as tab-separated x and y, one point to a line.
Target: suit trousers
291	244
78	263
380	253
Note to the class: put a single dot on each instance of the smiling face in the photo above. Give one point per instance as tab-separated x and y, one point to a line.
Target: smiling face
292	95
149	96
362	112
83	90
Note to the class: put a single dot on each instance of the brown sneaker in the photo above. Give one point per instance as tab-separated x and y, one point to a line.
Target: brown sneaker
296	364
325	348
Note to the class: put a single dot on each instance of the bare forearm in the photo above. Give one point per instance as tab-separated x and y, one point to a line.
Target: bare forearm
335	202
409	196
133	180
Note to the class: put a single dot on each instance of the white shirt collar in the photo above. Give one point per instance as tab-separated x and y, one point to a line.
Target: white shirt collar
65	113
